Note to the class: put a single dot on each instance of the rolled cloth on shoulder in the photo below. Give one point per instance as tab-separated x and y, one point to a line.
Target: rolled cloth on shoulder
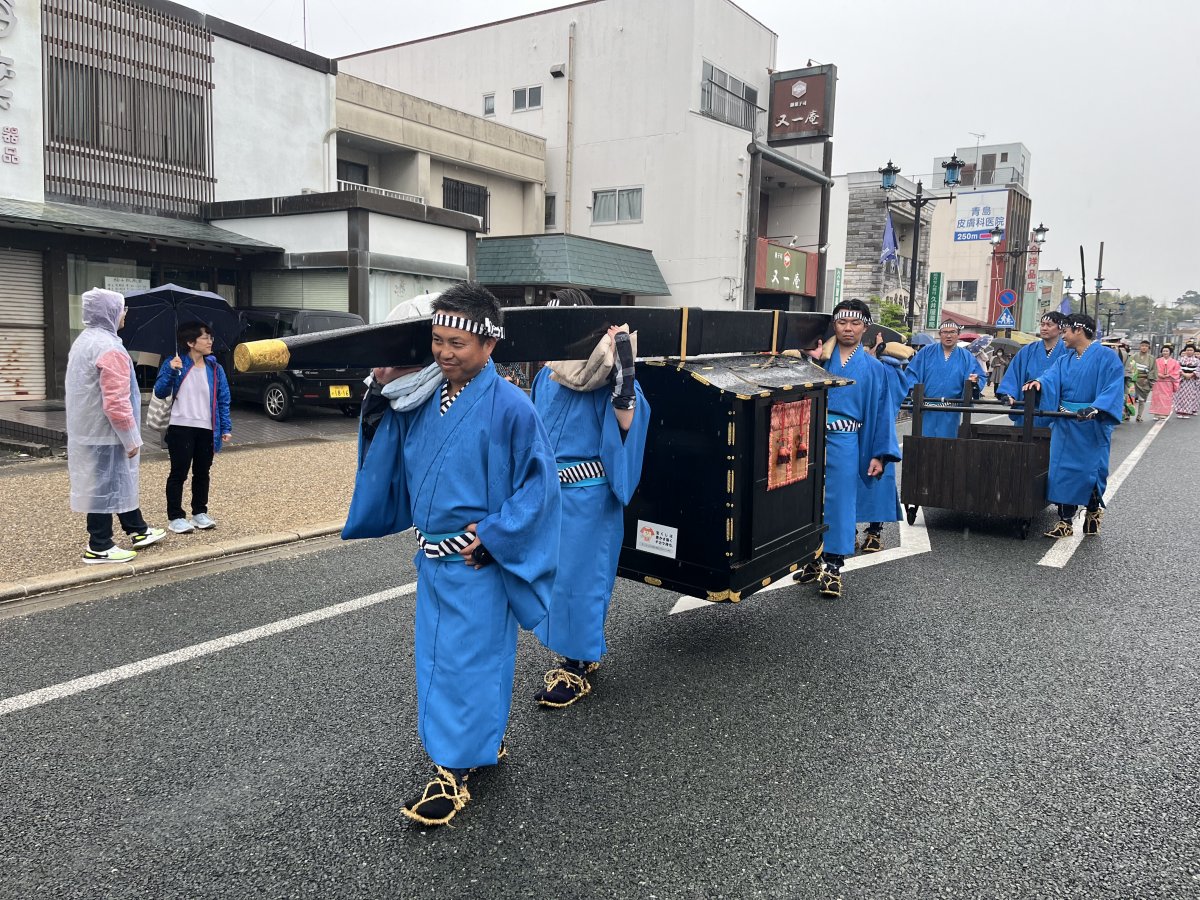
589	374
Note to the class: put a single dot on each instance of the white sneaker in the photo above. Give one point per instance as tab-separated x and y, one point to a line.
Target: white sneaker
203	521
181	526
111	555
151	536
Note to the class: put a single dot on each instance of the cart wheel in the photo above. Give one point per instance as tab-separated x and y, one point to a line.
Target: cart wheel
1023	528
910	513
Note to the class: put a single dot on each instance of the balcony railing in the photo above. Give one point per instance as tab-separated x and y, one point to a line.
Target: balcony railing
383	192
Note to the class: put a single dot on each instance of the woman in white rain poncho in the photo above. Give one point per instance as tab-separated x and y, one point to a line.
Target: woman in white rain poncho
103	437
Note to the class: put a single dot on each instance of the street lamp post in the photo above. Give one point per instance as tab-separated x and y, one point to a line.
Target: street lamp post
888	173
1017	251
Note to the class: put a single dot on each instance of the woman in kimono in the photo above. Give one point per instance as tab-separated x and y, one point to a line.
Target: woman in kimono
860	440
1162	398
597	419
1187	398
460	453
943	368
1088	381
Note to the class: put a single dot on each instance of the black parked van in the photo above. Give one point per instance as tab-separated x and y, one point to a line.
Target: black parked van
279	392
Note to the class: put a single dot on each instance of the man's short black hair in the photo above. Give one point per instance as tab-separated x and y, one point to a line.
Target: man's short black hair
856	305
1147	343
1087	323
188	332
471	301
1054	317
570	297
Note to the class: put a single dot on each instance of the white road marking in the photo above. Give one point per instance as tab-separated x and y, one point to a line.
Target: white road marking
175	657
1064	548
914	540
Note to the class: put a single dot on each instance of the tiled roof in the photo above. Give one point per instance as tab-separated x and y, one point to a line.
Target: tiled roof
67	218
567	260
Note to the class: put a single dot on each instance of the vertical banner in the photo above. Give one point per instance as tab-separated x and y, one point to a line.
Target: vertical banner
837	287
1029	297
22	172
933	304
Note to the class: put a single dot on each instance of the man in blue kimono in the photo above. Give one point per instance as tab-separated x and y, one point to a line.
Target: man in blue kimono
942	368
1088	381
860	439
460	453
597	419
878	498
1031	361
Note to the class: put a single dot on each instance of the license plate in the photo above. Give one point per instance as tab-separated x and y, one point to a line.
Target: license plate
339	392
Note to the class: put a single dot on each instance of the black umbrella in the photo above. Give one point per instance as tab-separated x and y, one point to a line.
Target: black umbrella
153	317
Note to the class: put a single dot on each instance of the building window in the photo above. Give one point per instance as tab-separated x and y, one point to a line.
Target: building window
489	104
551	211
355	173
527	98
962	291
462	196
127	123
617	205
727	99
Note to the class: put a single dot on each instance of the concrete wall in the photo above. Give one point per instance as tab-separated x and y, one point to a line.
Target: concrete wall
311	233
419	240
269	120
636	123
962	261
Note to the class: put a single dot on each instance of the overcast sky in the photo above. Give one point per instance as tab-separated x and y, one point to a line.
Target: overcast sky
1102	92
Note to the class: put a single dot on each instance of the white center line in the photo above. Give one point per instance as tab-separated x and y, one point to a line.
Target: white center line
914	540
1064	548
175	657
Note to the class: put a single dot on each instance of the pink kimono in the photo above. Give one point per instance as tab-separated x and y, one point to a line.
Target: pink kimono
1162	398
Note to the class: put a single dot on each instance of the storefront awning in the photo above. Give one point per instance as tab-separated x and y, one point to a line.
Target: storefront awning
567	260
793	165
67	218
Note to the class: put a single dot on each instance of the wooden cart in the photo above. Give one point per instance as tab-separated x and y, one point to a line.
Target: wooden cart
989	469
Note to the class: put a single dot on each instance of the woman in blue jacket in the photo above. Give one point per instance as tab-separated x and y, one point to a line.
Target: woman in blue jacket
199	424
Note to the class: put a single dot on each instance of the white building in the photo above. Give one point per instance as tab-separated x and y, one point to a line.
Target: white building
143	143
994	194
653	117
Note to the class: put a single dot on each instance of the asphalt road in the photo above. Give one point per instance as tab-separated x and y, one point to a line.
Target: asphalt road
964	723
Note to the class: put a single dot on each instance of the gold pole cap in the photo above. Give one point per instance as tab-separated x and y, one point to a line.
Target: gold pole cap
261	356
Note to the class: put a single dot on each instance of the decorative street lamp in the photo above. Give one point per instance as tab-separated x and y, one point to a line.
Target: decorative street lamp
996	235
887	182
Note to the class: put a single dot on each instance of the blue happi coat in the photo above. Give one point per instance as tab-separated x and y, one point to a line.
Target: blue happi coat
878	498
943	377
487	461
582	427
1028	365
848	454
1079	449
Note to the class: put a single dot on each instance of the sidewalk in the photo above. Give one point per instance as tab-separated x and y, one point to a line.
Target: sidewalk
261	495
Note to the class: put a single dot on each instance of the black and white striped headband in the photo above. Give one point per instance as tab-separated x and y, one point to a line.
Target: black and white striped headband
851	314
483	329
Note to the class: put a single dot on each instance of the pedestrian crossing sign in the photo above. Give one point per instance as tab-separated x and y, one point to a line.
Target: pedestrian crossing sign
1006	319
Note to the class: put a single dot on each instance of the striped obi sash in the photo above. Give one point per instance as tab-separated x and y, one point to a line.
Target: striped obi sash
444	547
1066	407
835	422
582	474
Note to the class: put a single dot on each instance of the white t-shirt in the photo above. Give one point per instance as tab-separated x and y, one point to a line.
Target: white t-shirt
193	402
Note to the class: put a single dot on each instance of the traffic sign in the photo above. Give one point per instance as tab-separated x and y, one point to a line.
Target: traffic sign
1007	297
1006	319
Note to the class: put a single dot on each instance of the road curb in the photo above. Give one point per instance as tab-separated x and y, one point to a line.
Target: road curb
73	578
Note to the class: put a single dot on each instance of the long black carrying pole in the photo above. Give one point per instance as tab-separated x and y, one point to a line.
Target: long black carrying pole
537	334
